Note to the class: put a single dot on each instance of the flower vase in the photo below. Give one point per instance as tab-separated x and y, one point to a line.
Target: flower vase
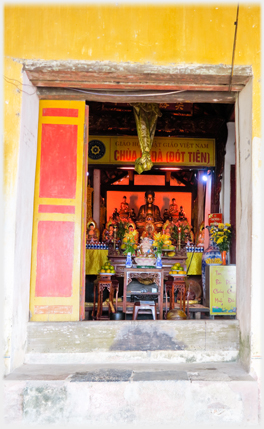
211	253
159	261
223	256
129	260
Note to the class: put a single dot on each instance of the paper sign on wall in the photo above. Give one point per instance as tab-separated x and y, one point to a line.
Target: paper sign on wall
223	290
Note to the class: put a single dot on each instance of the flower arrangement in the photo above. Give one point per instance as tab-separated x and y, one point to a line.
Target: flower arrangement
221	234
130	242
122	227
160	240
182	228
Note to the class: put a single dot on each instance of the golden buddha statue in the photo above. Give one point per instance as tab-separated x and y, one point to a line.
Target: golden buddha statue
108	234
92	234
149	212
149	231
173	209
124	209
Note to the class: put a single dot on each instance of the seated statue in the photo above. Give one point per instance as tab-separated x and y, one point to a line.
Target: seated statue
173	209
108	234
115	216
145	247
149	231
92	234
167	228
133	215
124	209
182	215
166	215
132	227
149	212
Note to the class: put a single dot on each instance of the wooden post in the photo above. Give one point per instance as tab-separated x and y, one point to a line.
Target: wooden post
96	196
200	202
131	177
207	209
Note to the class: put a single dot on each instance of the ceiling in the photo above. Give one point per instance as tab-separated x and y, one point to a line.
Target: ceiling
177	120
196	120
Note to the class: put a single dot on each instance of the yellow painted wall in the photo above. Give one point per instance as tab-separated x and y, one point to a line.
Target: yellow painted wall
160	35
156	34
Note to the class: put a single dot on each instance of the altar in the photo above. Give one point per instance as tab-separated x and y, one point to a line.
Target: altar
157	276
95	259
149	234
119	262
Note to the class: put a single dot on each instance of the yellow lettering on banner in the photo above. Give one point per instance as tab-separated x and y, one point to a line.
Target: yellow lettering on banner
175	151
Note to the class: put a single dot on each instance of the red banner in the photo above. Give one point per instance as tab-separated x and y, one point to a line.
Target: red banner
214	218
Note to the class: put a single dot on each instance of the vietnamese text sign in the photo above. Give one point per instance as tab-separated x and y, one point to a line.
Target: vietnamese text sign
165	150
223	290
214	218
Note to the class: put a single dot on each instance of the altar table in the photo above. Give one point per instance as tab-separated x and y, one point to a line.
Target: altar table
95	258
158	277
119	261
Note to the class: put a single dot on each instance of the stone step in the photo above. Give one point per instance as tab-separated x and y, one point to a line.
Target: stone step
129	395
133	341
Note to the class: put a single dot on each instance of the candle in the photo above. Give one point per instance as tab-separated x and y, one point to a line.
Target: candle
179	239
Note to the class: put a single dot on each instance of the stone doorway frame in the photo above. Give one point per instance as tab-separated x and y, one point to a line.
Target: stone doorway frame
57	80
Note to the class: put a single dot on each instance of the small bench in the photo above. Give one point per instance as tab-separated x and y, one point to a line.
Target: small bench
143	306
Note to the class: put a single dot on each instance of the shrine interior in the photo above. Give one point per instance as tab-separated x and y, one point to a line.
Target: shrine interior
181	120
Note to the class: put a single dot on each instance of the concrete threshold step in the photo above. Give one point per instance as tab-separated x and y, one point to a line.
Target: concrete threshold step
131	394
132	341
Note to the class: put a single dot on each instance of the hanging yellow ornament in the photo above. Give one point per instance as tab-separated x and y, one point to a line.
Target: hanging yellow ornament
146	116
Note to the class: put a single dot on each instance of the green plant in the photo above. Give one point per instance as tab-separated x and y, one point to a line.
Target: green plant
121	229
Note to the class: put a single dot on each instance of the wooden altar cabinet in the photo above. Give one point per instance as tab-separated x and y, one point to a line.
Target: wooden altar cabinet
158	277
119	262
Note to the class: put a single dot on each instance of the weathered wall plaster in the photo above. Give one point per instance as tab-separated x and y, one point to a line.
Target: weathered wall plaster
18	267
245	310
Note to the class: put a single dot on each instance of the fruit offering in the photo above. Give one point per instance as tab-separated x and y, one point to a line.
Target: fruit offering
177	269
213	261
107	268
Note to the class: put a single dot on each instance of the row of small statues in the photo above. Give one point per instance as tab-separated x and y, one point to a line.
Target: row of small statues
110	234
147	222
149	211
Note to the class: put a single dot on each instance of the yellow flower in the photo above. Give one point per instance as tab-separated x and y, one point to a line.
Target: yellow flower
220	226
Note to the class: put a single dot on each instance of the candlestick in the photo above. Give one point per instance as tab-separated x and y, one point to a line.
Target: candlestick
179	239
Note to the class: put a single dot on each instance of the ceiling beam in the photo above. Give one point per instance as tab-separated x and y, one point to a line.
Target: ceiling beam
124	96
96	75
